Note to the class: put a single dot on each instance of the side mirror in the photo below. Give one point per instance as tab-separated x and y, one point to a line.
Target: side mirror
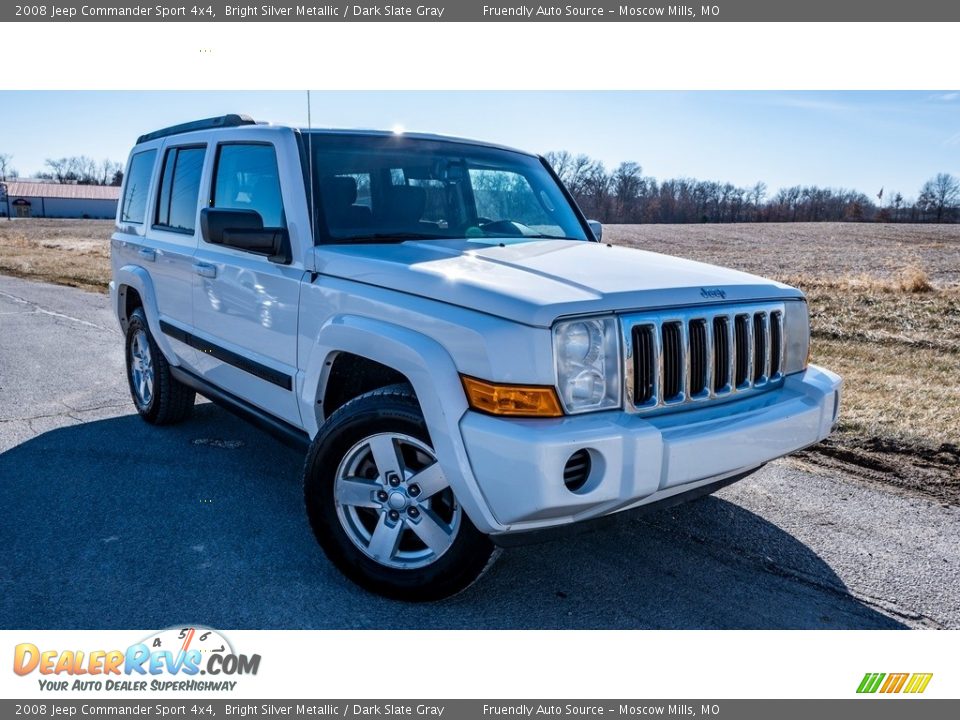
597	227
244	230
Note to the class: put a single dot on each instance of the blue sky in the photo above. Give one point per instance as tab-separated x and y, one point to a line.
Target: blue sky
862	140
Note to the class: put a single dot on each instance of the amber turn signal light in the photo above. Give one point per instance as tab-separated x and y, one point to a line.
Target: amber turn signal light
512	400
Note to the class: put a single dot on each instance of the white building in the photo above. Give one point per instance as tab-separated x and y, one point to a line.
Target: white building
52	200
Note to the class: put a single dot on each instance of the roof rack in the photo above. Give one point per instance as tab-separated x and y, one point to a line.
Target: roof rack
231	120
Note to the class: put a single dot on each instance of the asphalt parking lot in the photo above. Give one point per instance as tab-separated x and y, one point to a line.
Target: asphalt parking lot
111	523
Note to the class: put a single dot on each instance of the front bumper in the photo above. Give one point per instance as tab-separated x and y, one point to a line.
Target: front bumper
518	464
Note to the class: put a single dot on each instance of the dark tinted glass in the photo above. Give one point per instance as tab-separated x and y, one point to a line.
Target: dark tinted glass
394	188
138	185
247	179
180	188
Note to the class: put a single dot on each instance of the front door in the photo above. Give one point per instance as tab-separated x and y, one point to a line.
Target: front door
245	307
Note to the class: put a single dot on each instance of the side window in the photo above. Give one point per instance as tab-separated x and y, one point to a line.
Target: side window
134	204
505	195
246	178
180	189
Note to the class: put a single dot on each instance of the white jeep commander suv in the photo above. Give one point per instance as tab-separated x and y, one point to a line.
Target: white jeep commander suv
438	323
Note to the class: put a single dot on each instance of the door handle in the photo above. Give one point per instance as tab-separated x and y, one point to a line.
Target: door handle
205	270
147	254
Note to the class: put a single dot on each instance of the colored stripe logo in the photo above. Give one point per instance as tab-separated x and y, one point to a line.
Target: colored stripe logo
910	683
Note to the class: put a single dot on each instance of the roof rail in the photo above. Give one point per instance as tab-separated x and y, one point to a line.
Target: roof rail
231	120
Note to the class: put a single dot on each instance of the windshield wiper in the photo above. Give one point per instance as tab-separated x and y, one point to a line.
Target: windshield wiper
381	237
549	237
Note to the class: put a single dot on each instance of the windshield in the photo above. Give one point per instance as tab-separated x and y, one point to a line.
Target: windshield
383	188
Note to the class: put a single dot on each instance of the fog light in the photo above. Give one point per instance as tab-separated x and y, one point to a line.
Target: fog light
577	470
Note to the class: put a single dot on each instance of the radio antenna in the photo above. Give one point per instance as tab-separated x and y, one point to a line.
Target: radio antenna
313	212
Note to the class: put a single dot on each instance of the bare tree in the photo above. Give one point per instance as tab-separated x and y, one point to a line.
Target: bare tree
81	170
86	170
896	202
626	196
558	160
757	195
7	171
940	196
627	183
579	170
106	171
60	169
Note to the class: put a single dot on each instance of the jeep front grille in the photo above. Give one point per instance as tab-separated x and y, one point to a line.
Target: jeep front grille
695	355
645	358
672	360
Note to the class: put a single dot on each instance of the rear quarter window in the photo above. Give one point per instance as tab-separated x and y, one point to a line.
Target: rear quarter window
134	204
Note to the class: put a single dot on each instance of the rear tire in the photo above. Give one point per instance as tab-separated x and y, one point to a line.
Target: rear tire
380	506
159	397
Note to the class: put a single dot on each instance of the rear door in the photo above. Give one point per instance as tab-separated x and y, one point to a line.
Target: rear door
157	229
246	306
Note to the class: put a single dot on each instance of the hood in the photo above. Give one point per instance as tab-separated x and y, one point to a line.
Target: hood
536	282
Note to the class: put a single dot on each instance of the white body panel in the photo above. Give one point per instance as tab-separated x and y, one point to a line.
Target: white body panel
436	310
165	258
639	459
249	308
247	304
536	282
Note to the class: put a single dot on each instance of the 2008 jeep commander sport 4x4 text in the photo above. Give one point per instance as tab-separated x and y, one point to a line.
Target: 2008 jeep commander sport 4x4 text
438	323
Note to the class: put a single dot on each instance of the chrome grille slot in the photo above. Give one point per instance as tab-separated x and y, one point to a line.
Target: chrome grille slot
742	350
673	361
776	344
698	357
701	354
645	362
721	354
759	347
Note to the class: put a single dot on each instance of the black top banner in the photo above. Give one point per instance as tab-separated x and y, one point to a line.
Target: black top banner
477	11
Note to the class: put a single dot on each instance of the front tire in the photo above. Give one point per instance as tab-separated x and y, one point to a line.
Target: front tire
380	505
159	397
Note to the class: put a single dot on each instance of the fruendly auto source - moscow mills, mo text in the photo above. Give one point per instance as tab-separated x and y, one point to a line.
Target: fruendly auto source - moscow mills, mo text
365	11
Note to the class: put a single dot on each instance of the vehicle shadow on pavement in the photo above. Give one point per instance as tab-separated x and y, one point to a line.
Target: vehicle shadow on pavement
117	524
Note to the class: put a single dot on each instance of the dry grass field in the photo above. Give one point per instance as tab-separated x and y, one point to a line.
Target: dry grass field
885	307
885	312
68	252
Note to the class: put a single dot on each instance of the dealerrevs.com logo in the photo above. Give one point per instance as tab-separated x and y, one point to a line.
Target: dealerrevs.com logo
171	659
887	684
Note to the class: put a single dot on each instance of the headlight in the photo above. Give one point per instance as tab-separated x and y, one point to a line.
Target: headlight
796	328
587	353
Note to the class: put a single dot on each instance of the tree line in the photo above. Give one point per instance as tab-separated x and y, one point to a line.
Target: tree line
74	170
626	195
